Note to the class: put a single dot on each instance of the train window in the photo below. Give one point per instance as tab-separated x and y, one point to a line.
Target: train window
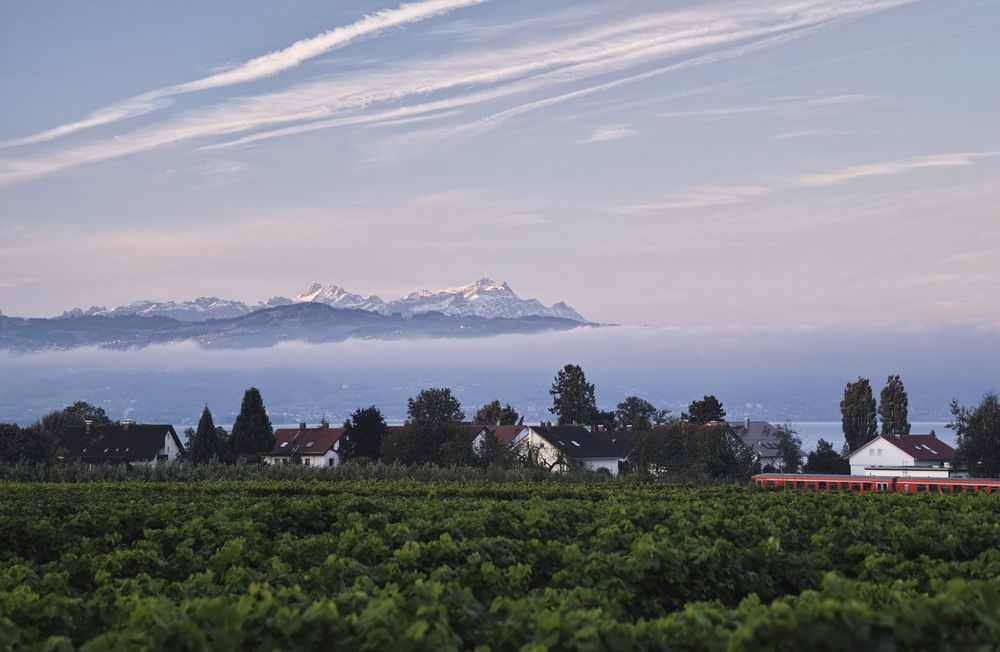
789	484
933	488
867	486
855	486
970	488
844	486
921	487
906	487
821	484
799	484
982	489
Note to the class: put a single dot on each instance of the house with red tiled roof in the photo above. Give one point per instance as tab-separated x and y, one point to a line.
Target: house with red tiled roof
317	446
505	434
923	456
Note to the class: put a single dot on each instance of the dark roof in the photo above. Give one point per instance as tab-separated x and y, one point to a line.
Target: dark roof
761	436
114	442
922	447
308	441
578	442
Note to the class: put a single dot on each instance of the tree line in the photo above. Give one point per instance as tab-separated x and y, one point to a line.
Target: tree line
698	443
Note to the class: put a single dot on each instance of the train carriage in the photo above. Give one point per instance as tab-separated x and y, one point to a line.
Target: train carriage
869	484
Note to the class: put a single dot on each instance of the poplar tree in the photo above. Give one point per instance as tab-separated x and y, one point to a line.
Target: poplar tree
858	414
893	408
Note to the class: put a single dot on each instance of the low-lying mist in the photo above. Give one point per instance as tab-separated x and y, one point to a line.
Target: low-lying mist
795	373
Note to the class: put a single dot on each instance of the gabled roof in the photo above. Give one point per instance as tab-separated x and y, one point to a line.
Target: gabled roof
505	433
926	448
580	443
759	436
113	442
308	441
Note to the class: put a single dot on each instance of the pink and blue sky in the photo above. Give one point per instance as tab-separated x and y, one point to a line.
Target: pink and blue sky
771	162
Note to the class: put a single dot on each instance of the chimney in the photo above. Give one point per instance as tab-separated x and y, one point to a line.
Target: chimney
126	423
302	425
746	423
628	428
86	425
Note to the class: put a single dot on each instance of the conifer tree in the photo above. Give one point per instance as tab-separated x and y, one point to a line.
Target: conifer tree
893	408
252	432
858	414
573	398
363	434
205	443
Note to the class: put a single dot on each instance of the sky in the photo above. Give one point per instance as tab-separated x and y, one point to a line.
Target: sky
774	163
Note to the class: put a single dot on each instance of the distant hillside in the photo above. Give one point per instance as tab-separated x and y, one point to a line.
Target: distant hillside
305	321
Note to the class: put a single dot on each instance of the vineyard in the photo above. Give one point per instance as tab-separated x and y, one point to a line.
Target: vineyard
413	565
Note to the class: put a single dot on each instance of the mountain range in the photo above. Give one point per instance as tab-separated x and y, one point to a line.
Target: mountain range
321	314
483	298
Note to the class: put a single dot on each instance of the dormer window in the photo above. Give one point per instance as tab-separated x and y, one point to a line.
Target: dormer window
309	444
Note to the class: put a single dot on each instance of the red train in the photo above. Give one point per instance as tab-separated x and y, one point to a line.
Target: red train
866	484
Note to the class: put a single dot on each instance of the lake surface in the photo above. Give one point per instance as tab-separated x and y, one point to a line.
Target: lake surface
812	431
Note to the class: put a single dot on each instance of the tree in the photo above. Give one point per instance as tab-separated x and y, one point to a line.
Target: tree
708	410
27	445
208	442
789	448
363	434
573	398
494	413
978	431
893	408
252	432
494	454
826	459
82	411
858	414
433	418
635	412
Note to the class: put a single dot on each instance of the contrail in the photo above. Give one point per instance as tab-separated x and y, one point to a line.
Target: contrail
266	65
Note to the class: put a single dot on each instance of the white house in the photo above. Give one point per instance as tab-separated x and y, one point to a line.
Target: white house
317	446
505	434
560	446
923	456
121	443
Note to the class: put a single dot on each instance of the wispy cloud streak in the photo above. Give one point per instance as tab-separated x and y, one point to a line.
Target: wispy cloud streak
266	65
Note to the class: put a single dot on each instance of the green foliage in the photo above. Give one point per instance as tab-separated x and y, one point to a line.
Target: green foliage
893	408
978	433
825	459
495	413
25	445
637	413
708	410
573	399
789	448
252	432
858	414
54	424
505	566
363	434
208	442
688	453
432	433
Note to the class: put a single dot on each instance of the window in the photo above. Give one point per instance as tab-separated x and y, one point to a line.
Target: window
575	443
866	486
921	487
906	487
933	488
307	461
855	486
970	488
283	444
799	484
871	452
309	444
880	452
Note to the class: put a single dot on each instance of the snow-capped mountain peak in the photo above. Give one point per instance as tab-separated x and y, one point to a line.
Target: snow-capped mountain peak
482	298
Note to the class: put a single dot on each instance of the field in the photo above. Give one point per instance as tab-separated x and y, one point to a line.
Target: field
407	565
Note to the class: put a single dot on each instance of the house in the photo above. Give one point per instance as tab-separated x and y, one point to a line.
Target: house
316	446
761	438
923	456
125	443
558	446
505	434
